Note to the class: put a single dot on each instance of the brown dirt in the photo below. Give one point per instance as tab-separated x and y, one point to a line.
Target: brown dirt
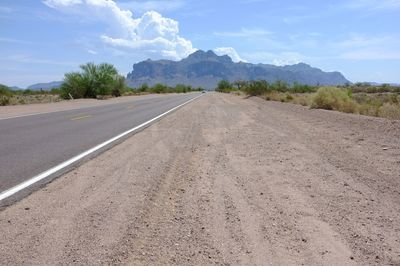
223	180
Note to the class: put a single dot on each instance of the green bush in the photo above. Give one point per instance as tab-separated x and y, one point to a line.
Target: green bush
302	88
5	95
332	98
280	86
224	86
92	81
257	87
159	88
119	86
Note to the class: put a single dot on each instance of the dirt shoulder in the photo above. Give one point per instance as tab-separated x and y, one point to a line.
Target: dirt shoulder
223	180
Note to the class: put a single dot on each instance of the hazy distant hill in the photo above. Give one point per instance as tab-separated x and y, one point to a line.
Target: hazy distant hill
45	86
15	88
206	69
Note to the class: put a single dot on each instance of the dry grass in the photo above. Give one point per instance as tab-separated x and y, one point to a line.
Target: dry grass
31	99
386	105
389	110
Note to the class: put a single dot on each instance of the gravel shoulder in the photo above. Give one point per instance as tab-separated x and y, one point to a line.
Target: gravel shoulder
223	180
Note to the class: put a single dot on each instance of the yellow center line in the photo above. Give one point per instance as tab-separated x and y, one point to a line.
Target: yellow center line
80	117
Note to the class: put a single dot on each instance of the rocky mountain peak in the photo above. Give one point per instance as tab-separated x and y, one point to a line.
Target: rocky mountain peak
201	55
206	69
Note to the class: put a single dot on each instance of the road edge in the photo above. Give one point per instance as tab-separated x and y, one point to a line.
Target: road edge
94	150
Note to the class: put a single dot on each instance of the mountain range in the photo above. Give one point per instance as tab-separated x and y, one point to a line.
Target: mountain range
206	69
45	86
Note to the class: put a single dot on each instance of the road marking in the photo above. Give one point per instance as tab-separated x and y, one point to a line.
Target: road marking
35	179
80	117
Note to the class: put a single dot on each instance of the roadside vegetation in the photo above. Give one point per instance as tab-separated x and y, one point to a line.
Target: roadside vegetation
161	88
359	98
93	81
100	81
14	97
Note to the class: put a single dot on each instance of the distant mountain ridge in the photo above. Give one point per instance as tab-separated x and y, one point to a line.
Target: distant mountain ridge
45	86
206	69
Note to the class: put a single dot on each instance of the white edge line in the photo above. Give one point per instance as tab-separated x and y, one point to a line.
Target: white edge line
39	177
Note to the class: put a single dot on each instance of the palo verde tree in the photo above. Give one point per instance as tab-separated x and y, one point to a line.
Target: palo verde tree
93	80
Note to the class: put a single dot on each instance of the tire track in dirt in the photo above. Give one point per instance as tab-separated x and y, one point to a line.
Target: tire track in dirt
224	180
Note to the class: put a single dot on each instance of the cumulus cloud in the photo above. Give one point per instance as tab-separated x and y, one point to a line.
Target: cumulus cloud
229	51
157	5
279	59
151	33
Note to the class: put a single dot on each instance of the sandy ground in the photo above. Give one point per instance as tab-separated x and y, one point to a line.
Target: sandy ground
28	109
228	181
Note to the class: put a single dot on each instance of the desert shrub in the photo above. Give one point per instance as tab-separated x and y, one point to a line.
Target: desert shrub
5	95
224	86
332	98
159	88
303	88
4	100
92	81
257	87
280	86
288	97
369	88
55	91
119	86
143	88
180	88
389	110
303	99
271	96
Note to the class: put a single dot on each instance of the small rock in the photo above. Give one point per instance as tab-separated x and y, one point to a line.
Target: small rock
27	208
352	258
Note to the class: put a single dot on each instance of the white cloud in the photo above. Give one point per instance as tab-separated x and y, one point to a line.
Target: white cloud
279	59
371	54
245	33
149	34
362	47
157	5
27	59
92	52
373	4
229	51
58	3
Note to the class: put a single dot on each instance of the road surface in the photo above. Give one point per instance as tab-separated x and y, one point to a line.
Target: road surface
30	145
223	181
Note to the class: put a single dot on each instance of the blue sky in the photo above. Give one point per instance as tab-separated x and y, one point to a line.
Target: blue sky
41	40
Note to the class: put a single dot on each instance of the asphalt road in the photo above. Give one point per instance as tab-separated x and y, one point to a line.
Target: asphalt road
33	144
